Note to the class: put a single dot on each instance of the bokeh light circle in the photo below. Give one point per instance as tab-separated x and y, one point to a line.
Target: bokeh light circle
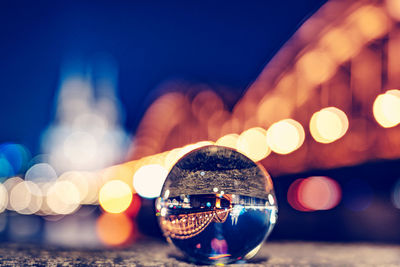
63	197
80	181
114	229
115	196
386	108
3	198
328	125
229	140
319	193
253	144
393	8
293	196
149	179
314	193
26	198
41	172
285	136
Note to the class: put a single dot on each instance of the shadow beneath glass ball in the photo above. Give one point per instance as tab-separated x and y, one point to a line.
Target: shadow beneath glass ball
255	260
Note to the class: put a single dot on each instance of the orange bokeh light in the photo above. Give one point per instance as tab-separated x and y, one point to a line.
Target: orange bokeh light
205	104
316	66
338	44
371	21
393	8
114	229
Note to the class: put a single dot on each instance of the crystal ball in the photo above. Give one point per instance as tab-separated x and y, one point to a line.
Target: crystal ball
217	206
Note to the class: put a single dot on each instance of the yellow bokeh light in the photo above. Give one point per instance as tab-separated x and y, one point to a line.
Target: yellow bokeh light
253	143
171	158
115	196
394	92
154	159
386	108
285	136
229	140
328	125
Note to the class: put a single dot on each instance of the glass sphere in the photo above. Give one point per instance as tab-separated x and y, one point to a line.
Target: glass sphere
217	206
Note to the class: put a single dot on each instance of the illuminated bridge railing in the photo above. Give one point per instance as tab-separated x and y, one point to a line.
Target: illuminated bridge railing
185	226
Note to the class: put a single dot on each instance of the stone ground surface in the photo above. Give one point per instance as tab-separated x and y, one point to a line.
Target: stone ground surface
156	253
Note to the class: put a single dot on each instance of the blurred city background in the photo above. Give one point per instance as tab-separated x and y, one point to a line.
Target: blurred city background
98	100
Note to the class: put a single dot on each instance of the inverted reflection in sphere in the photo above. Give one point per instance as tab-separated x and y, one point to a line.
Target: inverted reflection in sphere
217	205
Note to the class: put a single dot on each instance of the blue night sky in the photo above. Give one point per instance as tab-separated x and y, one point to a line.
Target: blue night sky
224	43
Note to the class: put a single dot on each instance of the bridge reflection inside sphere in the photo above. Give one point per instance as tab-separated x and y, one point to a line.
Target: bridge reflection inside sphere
217	206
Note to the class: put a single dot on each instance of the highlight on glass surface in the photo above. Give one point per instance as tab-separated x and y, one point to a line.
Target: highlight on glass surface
217	205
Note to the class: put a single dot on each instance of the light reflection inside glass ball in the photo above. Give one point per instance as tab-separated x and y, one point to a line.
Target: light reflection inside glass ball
217	206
